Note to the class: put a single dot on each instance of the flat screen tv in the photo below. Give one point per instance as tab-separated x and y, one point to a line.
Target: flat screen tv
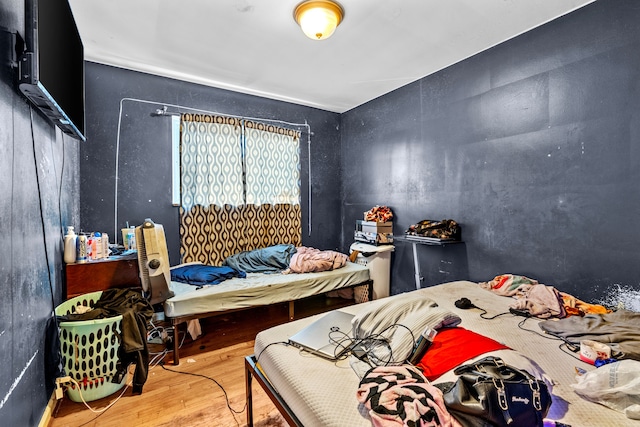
52	65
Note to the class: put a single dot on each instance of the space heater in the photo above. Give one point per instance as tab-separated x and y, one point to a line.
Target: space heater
153	261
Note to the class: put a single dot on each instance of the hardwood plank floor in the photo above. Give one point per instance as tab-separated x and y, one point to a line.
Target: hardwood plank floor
192	398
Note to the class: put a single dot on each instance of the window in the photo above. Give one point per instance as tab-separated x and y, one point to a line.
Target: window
240	187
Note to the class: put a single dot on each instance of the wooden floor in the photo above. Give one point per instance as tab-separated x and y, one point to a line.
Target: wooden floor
175	399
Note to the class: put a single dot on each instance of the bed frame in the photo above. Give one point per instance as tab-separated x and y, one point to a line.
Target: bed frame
567	407
177	321
252	370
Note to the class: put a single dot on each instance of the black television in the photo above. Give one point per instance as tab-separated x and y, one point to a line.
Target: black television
51	67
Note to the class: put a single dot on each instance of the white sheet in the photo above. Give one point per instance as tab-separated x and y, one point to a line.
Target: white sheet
321	392
259	289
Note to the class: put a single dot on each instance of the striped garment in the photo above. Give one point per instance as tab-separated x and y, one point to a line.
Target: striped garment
402	396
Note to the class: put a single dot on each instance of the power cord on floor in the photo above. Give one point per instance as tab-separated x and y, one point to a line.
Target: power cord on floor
234	412
155	332
99	411
156	360
103	410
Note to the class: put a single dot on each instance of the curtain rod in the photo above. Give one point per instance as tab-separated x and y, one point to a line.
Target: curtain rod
163	112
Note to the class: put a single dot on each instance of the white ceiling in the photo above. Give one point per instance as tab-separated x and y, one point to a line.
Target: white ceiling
255	46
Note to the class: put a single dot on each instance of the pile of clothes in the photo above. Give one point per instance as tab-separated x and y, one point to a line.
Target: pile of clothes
447	229
540	300
378	214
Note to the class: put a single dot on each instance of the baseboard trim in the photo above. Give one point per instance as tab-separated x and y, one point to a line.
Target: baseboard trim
48	411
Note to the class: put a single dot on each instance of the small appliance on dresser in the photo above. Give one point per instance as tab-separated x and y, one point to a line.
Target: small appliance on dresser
374	233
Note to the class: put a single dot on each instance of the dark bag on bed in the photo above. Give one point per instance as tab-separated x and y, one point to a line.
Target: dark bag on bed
492	393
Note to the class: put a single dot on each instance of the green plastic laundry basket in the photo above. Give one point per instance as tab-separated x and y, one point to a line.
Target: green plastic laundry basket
90	351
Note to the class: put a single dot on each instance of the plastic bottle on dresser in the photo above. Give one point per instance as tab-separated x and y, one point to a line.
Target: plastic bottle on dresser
105	245
89	246
81	248
96	246
70	245
131	238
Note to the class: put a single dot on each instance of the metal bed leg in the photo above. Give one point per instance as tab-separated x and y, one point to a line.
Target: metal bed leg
291	310
250	363
176	342
249	392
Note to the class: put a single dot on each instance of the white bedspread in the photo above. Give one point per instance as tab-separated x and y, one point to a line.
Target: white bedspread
259	289
323	393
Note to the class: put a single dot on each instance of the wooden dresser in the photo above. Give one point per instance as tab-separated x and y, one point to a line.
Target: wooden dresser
112	272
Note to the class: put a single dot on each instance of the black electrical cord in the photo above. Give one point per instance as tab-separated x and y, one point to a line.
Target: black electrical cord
269	345
568	344
92	419
465	304
233	411
367	348
42	221
60	186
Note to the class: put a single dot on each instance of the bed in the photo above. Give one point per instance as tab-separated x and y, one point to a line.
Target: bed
311	391
257	289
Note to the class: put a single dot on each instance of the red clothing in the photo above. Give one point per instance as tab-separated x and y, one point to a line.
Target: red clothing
452	347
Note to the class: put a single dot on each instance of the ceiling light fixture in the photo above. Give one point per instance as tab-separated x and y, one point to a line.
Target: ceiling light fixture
318	18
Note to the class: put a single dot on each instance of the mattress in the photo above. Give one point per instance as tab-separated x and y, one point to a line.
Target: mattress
259	289
323	392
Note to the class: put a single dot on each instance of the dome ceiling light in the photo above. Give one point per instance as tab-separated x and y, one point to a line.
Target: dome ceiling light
318	18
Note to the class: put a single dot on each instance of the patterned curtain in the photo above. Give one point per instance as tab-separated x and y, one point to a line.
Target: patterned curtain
240	187
273	164
211	161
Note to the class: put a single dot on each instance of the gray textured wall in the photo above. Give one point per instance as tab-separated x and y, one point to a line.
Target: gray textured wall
39	197
144	179
532	146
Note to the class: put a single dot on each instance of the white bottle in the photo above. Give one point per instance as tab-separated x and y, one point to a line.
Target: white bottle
97	245
81	248
70	246
105	245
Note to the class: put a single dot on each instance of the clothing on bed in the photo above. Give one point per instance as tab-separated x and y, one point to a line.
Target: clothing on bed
619	330
539	300
322	392
402	396
259	289
271	259
200	274
452	347
576	307
308	260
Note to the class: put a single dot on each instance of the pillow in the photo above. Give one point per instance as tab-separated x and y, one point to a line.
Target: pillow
388	311
200	274
399	320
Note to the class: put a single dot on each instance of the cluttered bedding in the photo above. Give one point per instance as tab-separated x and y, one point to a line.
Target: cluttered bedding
276	274
520	332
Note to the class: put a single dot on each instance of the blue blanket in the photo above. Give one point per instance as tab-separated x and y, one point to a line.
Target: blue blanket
200	274
271	259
